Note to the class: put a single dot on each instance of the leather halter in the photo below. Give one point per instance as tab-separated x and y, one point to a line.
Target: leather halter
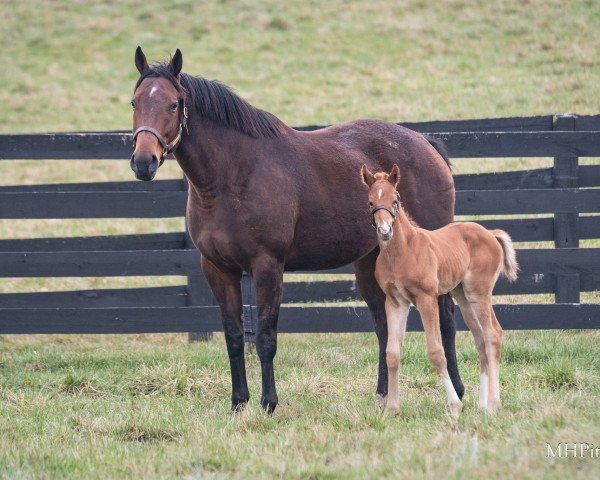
167	147
393	213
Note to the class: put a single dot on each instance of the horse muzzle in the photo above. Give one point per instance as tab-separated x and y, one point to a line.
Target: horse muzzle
144	166
385	233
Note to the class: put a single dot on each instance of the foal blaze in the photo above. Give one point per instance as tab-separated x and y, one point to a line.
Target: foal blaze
415	266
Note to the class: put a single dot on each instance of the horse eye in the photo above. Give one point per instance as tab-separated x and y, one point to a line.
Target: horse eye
173	106
370	204
133	104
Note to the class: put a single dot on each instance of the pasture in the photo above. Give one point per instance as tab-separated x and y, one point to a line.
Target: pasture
154	406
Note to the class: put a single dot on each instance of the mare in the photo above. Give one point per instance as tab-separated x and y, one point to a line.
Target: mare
264	198
415	266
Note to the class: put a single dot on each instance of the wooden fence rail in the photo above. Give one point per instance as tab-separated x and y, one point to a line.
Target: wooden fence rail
564	201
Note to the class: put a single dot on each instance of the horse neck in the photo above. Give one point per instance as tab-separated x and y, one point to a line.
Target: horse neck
209	154
404	230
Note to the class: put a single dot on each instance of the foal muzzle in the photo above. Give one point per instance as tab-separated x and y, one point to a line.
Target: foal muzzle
374	210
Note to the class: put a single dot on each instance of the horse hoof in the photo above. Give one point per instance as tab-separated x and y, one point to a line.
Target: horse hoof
455	408
238	407
269	405
380	400
493	407
392	410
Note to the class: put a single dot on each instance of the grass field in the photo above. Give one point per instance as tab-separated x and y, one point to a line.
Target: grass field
151	406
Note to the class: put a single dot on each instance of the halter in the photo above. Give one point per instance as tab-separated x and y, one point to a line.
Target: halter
167	147
393	213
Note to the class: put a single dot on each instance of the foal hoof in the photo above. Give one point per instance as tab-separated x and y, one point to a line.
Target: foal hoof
380	400
391	410
492	407
454	408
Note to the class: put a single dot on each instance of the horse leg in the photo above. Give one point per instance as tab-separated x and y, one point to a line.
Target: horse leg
397	315
481	306
375	299
476	330
428	308
496	343
267	279
226	288
448	329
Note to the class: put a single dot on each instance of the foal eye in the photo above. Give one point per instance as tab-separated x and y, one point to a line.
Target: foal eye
133	104
370	204
173	106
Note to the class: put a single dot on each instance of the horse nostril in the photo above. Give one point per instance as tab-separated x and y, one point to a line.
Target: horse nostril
153	164
133	165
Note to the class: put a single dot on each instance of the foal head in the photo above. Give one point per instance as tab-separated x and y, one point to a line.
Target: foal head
159	114
384	201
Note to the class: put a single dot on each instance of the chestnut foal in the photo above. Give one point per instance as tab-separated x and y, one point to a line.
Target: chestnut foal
416	266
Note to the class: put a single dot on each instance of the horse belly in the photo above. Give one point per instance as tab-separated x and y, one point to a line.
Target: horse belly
324	249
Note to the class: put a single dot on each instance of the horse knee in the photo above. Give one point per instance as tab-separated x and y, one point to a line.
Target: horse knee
493	344
266	346
235	344
437	358
392	358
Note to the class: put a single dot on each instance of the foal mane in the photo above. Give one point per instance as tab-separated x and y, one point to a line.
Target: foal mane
410	219
214	100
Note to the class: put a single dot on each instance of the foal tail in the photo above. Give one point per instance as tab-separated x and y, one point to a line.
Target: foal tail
510	268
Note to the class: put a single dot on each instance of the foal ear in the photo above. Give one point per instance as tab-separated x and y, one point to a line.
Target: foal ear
176	63
394	176
140	61
367	177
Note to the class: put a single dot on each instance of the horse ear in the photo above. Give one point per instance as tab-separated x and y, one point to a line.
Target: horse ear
367	177
140	61
394	176
176	63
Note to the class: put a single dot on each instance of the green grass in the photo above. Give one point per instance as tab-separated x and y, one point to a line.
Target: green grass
68	65
153	406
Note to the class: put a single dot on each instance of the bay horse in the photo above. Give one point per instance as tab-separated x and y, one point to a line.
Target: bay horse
415	266
264	198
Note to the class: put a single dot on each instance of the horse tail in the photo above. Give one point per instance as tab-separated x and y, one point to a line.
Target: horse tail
510	267
440	147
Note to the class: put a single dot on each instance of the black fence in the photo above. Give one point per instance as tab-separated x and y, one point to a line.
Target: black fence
567	196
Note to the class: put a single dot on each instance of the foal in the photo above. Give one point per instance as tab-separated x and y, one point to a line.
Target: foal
416	265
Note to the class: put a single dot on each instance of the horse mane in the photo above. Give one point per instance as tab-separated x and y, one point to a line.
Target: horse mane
214	100
441	148
411	220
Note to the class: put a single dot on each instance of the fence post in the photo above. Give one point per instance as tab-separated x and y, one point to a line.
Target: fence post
198	291
248	315
566	224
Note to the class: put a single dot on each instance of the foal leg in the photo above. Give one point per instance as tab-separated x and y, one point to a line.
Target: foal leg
375	298
496	343
397	315
226	288
427	306
481	306
267	278
476	330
